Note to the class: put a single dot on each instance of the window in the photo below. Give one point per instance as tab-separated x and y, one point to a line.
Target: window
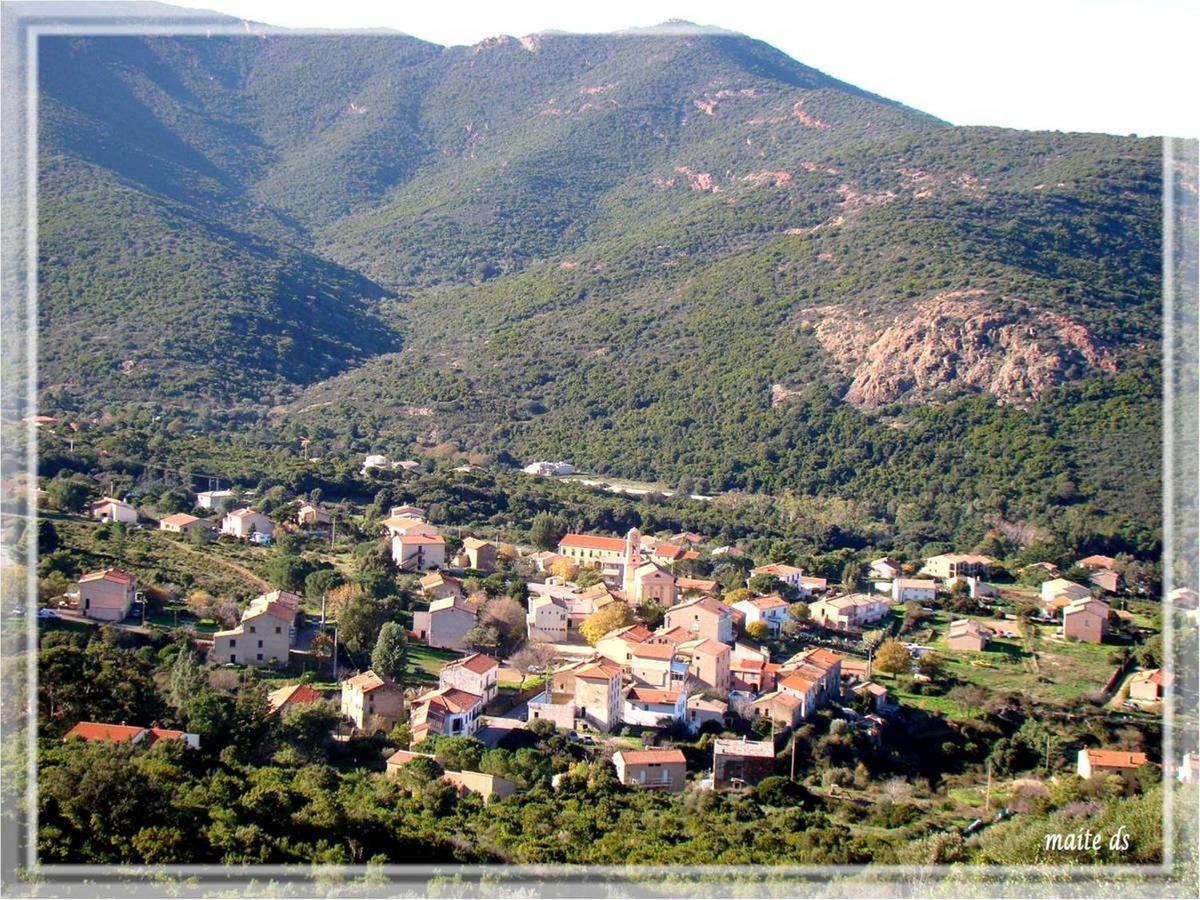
260	643
233	657
252	631
233	642
259	656
278	629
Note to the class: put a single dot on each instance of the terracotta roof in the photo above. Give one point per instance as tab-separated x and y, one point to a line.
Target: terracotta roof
789	700
163	734
654	651
967	626
1116	759
927	583
798	682
401	757
479	663
653	695
1097	561
1154	676
593	542
179	519
696	584
646	757
114	575
101	731
451	699
822	657
714	648
771	601
809	581
420	539
294	693
366	681
747	664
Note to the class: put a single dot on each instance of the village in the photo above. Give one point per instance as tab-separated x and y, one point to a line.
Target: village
621	644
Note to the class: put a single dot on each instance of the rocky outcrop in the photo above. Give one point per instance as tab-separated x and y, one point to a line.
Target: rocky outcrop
959	341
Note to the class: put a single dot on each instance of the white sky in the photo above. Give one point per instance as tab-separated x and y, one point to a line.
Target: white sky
1116	66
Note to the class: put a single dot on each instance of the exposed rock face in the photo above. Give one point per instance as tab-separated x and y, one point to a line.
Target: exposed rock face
967	340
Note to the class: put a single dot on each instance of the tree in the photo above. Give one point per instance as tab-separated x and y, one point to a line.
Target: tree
851	575
535	656
758	630
390	656
800	611
564	568
288	573
931	665
546	530
68	495
782	552
737	596
507	617
588	576
602	621
320	582
764	584
892	657
172	501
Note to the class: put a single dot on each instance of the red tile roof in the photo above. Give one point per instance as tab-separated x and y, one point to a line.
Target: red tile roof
101	731
1116	759
593	542
479	663
115	575
647	757
654	651
653	695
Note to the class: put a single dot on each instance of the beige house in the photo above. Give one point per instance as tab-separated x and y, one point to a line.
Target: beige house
548	619
708	664
854	611
475	674
1090	763
658	769
702	617
1106	580
416	551
182	523
244	523
885	569
781	707
1060	587
618	645
481	555
967	634
107	595
1086	620
372	702
109	509
657	665
919	589
584	549
446	623
312	516
1149	686
265	635
958	565
702	709
587	692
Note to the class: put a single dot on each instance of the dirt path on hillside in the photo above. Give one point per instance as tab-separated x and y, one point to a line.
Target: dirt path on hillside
260	583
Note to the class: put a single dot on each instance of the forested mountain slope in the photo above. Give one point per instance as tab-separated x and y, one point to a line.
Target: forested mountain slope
662	254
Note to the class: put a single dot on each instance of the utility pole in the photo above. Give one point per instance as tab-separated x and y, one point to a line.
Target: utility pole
322	610
987	803
793	756
335	646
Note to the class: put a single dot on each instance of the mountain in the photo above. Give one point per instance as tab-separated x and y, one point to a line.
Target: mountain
662	254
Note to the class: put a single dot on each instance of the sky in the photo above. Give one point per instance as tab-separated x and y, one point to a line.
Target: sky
1114	66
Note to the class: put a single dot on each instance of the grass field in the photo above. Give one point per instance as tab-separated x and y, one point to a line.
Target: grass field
1058	672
